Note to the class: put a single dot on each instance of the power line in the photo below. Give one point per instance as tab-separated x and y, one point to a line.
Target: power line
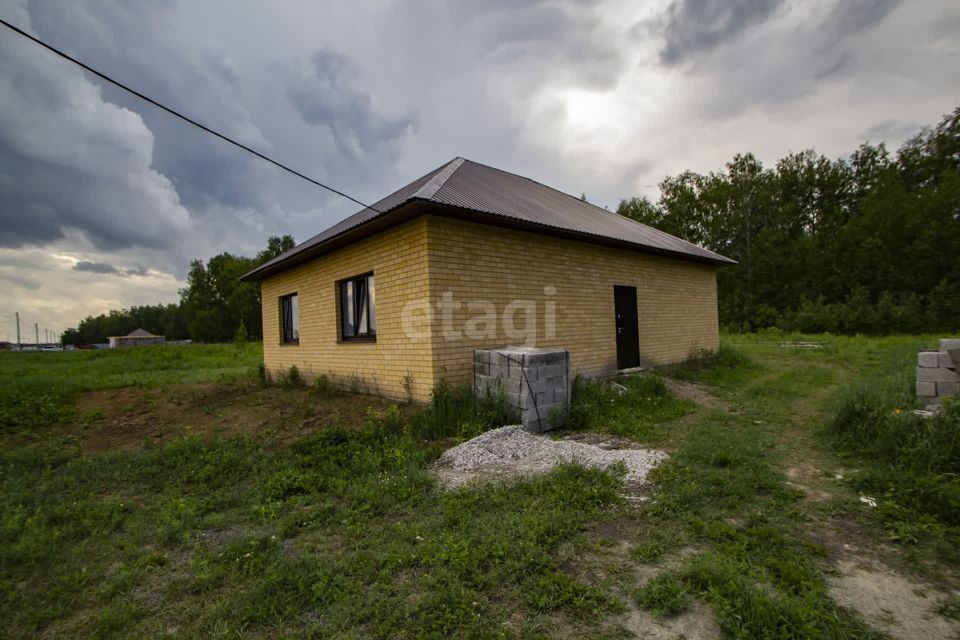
177	114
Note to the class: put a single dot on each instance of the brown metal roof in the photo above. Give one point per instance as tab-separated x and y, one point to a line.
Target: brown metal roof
497	197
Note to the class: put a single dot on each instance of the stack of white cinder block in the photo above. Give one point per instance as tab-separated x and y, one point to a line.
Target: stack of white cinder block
937	372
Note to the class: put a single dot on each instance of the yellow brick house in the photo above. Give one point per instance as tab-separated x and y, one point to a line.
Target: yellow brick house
397	297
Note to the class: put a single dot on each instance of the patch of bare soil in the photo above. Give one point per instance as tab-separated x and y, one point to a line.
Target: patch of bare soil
696	623
889	601
892	603
696	393
805	478
128	418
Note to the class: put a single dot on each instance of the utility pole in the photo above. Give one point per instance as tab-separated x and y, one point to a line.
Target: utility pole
18	329
36	332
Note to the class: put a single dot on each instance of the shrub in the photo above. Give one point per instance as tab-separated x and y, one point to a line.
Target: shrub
455	411
292	378
326	387
913	461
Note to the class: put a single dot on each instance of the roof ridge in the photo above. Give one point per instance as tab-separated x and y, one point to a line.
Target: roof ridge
436	183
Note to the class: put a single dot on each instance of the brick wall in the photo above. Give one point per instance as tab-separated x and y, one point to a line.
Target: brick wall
425	258
677	300
398	258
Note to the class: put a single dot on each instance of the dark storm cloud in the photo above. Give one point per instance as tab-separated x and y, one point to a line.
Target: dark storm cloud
850	17
96	267
554	39
121	39
692	27
108	269
45	196
326	97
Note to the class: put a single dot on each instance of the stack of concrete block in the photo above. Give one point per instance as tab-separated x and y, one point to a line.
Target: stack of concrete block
534	382
937	372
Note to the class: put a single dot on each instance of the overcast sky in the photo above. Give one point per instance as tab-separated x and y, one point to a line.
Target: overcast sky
104	200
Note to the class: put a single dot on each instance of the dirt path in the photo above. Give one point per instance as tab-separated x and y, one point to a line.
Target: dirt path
867	573
695	392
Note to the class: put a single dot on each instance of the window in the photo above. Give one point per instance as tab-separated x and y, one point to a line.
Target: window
289	319
358	320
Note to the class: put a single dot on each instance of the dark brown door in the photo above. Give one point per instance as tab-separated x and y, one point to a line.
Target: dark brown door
628	329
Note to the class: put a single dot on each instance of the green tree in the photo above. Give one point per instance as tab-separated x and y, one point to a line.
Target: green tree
865	243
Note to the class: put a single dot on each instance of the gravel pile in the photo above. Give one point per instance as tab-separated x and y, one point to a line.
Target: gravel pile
511	451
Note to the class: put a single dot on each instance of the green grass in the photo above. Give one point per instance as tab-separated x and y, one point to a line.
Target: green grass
723	493
909	463
636	407
35	386
345	534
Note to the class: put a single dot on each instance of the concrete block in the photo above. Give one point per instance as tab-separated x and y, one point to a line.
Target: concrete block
929	359
948	389
926	389
558	382
512	386
946	344
936	375
945	361
954	355
544	398
556	358
534	359
540	385
537	426
561	397
530	380
556	370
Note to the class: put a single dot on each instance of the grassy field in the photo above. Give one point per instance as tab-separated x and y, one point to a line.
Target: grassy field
34	385
179	495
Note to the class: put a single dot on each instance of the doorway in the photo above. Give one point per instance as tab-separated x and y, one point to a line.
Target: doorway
628	327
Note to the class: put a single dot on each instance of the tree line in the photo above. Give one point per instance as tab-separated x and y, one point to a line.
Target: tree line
864	244
214	306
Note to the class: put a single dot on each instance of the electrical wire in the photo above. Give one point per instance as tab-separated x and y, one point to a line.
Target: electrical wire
177	114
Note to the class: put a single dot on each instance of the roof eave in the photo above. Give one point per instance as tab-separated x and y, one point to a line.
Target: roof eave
416	206
402	212
483	217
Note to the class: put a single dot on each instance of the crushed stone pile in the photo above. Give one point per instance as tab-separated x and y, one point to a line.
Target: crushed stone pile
511	451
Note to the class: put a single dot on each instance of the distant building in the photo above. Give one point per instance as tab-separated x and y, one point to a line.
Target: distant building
136	338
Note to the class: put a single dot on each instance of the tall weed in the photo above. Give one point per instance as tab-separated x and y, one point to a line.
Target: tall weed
912	460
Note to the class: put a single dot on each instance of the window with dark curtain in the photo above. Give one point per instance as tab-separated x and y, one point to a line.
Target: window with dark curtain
358	320
289	319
